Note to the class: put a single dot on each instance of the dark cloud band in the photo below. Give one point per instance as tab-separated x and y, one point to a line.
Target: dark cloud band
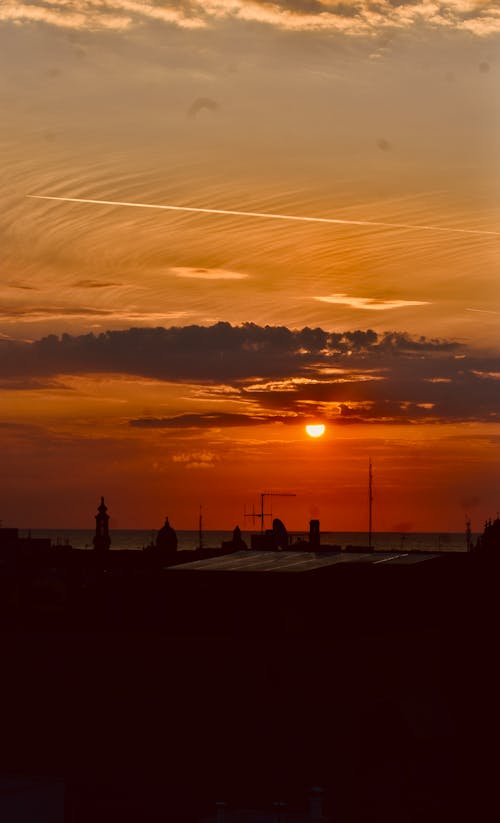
276	373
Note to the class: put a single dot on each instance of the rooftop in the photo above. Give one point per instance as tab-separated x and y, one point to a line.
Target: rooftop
294	561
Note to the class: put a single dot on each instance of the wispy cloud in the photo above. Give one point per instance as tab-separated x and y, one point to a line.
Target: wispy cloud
484	311
99	14
290	384
66	14
94	284
196	459
210	421
207	274
491	375
31	384
370	303
21	286
35	314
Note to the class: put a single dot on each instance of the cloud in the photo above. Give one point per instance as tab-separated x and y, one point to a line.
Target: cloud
196	459
210	421
94	284
289	384
33	314
276	374
491	375
200	104
188	273
98	15
22	286
220	353
62	14
365	17
42	312
30	384
370	303
483	311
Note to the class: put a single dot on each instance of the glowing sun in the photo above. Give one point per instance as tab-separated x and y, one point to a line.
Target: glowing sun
315	429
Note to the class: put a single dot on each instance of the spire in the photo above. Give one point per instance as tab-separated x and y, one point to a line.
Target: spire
102	540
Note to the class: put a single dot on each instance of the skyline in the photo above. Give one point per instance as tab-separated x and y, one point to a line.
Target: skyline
382	324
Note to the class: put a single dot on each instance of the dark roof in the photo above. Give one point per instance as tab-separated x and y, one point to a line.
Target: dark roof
293	561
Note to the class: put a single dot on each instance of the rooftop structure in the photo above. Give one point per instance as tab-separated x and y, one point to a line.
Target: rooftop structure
279	812
102	540
299	561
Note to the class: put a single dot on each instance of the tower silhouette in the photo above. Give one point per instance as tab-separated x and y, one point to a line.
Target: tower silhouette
102	540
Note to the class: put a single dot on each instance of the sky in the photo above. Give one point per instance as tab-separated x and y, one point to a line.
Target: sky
170	359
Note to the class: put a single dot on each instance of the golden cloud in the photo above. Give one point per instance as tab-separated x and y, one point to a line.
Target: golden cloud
190	273
370	303
363	17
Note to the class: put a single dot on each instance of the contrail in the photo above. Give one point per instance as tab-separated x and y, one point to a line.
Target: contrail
268	215
484	311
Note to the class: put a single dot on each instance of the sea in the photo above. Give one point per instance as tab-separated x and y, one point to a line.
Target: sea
190	540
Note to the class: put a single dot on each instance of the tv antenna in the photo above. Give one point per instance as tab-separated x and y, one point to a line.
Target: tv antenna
262	514
370	502
200	528
468	533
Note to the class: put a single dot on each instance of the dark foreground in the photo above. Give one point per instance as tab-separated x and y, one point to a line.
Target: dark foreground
154	693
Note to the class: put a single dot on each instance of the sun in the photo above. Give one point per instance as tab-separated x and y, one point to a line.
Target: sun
315	429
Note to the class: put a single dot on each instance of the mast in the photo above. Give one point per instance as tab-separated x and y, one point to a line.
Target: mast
370	502
468	533
262	513
200	530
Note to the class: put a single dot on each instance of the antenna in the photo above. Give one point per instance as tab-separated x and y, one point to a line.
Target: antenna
250	514
370	502
262	514
200	529
468	533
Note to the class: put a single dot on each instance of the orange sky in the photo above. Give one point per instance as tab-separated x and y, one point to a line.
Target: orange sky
359	112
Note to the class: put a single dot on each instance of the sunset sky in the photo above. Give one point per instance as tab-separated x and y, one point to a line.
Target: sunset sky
167	359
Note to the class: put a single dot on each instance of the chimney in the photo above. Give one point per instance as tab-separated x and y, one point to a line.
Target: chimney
279	811
220	812
314	532
316	805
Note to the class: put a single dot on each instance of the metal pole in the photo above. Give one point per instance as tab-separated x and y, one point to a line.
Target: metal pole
370	501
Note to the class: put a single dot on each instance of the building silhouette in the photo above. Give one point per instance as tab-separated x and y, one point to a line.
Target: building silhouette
166	539
102	540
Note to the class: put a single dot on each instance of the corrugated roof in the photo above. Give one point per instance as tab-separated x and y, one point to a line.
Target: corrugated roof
283	561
